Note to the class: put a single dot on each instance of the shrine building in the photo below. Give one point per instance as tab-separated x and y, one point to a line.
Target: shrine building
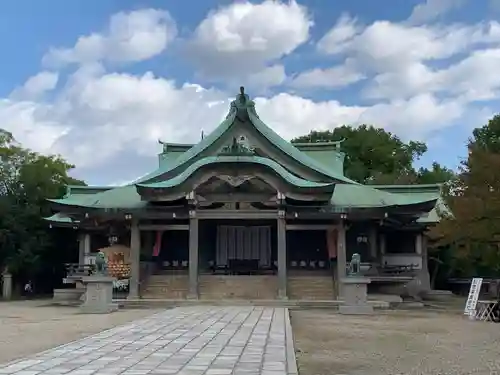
246	214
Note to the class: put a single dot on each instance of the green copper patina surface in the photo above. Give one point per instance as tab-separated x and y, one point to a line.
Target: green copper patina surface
323	163
244	108
232	159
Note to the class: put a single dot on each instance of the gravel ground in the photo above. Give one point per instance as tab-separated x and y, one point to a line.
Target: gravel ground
395	342
29	327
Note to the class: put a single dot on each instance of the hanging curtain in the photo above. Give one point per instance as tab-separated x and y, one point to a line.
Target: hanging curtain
331	243
239	242
157	246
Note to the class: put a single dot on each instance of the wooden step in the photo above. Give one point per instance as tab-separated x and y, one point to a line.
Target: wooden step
166	287
251	287
314	287
241	287
293	304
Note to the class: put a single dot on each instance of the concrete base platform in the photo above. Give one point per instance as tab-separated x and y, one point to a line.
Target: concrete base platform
291	304
356	310
99	309
68	296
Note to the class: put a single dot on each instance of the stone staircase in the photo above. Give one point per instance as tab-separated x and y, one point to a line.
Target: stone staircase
238	287
310	287
173	286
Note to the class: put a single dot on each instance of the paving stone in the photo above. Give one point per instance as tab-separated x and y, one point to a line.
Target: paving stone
185	341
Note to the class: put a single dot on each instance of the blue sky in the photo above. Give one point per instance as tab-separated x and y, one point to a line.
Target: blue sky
100	81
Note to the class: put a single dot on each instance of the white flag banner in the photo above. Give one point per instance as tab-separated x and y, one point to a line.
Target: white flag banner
475	288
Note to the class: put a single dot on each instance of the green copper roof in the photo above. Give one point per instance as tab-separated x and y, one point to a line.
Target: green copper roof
248	107
85	190
324	159
192	152
346	195
325	153
421	191
289	149
118	198
290	178
59	218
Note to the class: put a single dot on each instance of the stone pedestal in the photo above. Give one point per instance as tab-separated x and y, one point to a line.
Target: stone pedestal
69	296
98	295
355	297
7	285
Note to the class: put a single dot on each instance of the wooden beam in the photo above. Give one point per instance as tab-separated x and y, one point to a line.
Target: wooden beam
236	214
163	227
309	227
238	197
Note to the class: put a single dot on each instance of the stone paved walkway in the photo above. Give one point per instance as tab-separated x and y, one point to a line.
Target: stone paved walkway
184	341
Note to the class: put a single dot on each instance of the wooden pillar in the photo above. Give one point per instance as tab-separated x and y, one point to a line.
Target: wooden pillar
193	255
84	248
81	248
421	249
418	243
281	236
341	256
135	258
382	247
372	240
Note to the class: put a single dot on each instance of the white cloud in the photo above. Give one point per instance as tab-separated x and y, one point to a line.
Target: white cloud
32	123
245	38
473	78
432	9
270	76
37	85
336	77
337	39
399	58
384	44
108	123
133	36
292	115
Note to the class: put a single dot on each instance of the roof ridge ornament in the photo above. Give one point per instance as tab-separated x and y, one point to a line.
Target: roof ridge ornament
242	96
241	105
237	147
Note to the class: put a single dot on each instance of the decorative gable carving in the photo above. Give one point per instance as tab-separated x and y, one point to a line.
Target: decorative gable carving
235	181
238	147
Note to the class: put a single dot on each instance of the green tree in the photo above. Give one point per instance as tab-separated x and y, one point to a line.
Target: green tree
27	179
436	174
375	156
474	230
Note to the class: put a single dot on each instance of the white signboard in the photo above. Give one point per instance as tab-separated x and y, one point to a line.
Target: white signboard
475	288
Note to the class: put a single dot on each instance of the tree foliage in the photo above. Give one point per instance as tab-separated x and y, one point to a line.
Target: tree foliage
27	179
375	156
474	229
